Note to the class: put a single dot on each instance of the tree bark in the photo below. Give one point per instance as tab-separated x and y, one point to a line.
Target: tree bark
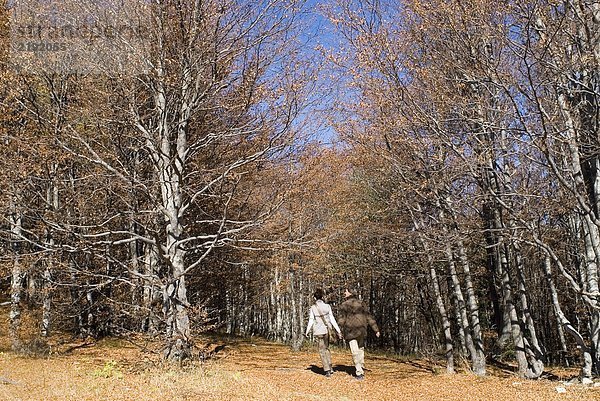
479	364
586	369
53	203
478	369
17	276
448	343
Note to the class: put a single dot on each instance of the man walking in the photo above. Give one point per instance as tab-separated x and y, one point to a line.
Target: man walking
354	318
321	320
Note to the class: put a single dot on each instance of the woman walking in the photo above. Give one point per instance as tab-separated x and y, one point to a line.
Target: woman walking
321	320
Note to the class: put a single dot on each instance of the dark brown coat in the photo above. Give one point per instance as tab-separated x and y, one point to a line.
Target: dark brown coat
353	318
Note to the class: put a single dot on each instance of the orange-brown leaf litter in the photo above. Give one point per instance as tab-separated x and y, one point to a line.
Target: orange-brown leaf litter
252	369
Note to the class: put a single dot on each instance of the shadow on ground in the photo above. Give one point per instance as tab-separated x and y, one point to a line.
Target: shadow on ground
349	370
345	369
316	369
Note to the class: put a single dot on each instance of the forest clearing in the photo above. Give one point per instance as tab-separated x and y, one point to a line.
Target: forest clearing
254	369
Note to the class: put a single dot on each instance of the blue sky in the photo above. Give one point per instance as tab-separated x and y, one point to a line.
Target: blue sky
320	36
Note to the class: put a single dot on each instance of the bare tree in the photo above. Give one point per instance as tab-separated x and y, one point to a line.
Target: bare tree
219	98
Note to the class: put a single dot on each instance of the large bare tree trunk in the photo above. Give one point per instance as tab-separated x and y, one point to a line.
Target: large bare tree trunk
590	284
585	181
170	156
175	292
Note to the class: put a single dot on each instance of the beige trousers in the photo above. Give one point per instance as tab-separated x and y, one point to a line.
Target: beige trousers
358	356
323	341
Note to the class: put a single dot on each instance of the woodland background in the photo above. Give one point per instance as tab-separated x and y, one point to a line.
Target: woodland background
458	190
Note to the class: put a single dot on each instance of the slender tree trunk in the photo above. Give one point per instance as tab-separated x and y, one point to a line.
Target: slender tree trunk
463	316
52	200
15	304
137	288
516	332
245	302
272	304
528	365
300	311
17	276
449	348
279	305
534	351
479	365
586	369
91	328
446	326
462	337
47	295
151	290
295	296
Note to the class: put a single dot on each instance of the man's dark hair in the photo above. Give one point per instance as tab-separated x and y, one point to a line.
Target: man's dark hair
319	294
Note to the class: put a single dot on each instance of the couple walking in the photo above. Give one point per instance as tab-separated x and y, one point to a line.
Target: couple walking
353	318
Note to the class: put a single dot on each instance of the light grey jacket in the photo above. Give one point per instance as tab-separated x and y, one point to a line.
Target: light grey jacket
320	317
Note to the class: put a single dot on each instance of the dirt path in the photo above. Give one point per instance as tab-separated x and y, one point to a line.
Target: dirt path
252	370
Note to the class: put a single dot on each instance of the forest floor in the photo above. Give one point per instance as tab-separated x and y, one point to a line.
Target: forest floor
254	369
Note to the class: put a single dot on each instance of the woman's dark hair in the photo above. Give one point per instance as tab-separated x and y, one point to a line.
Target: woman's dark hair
318	294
